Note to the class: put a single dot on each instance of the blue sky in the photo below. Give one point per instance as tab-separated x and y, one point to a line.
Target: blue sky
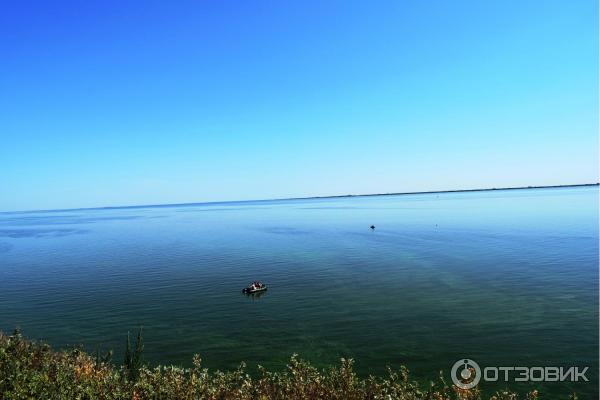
125	103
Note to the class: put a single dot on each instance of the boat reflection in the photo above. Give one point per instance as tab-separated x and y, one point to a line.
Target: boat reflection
256	295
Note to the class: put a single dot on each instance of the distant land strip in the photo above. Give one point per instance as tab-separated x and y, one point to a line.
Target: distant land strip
441	191
306	198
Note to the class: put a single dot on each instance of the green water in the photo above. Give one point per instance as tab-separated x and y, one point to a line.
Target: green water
506	278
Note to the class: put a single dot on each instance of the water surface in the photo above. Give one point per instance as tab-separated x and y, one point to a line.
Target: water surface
503	277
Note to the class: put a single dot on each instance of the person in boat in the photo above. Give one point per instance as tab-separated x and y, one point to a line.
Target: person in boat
256	285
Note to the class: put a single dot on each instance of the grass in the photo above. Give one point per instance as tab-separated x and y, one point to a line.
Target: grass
32	370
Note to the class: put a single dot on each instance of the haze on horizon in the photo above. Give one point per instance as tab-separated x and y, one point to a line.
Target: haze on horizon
127	103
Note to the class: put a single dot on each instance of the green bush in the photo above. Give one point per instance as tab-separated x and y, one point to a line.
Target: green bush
31	370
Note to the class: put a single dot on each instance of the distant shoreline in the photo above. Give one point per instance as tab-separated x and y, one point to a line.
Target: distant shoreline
307	198
444	191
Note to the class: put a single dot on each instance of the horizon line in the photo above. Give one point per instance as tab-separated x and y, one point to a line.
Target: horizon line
303	198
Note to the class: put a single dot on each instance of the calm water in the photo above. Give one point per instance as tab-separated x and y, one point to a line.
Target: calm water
505	278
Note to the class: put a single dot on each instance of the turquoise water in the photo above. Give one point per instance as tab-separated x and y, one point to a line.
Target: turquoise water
507	278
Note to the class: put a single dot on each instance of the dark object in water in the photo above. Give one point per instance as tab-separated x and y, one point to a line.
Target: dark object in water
254	287
372	226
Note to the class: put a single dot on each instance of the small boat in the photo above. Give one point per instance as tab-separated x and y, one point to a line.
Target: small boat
254	288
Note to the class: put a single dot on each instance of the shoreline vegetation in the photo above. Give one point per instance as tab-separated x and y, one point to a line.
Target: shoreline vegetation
341	196
32	370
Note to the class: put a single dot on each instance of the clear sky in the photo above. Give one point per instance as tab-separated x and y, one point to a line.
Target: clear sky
124	103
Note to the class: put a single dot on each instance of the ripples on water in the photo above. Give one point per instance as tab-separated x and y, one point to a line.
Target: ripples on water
503	277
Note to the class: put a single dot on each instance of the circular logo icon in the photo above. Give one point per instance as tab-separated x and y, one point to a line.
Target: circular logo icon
466	373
